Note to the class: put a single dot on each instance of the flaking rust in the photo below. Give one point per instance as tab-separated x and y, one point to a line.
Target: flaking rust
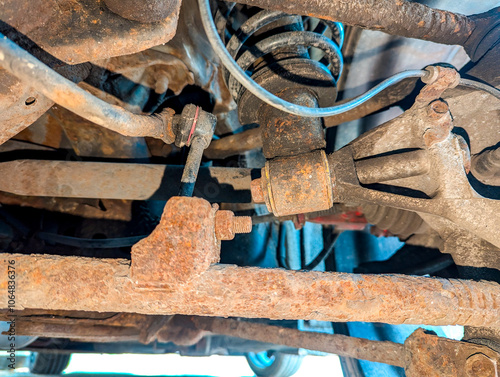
72	283
181	247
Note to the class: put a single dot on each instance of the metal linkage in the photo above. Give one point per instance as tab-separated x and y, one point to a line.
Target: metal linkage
342	345
197	130
422	354
417	143
64	92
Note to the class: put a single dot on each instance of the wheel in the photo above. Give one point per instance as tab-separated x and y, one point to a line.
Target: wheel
273	364
48	363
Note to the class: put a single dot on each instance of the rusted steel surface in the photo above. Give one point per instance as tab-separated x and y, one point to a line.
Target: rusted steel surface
182	246
81	31
106	327
22	105
430	355
297	184
192	166
143	11
89	208
64	92
401	17
387	168
235	144
72	283
382	352
88	333
101	180
16	115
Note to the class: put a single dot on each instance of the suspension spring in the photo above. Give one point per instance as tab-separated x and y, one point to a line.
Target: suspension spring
297	58
266	32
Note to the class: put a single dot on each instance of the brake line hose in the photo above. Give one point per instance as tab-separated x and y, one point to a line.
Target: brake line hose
288	107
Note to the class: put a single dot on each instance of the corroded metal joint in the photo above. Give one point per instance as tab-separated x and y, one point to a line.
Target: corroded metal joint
430	355
194	122
297	184
166	130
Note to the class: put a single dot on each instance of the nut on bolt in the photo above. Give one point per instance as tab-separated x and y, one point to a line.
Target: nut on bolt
257	192
480	365
227	225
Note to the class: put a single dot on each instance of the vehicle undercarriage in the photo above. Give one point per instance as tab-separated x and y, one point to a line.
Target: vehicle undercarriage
211	177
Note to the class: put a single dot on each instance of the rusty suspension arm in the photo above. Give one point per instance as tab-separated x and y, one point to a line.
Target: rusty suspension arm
342	345
72	283
401	17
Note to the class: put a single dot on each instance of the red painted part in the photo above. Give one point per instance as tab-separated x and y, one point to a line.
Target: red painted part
352	220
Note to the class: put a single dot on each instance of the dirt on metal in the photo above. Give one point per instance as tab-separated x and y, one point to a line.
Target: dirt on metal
181	248
400	17
430	355
347	346
297	184
72	283
77	31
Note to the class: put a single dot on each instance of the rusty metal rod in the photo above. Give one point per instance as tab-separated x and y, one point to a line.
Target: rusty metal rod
193	162
96	333
64	92
401	17
104	285
358	348
106	180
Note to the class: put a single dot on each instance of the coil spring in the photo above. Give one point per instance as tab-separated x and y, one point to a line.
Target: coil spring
321	39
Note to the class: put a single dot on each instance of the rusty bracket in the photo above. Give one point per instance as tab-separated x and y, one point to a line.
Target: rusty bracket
184	244
432	356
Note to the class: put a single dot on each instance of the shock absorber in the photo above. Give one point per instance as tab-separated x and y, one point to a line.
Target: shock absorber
296	58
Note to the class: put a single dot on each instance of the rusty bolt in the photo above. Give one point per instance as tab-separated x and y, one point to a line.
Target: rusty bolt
227	225
480	365
256	190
